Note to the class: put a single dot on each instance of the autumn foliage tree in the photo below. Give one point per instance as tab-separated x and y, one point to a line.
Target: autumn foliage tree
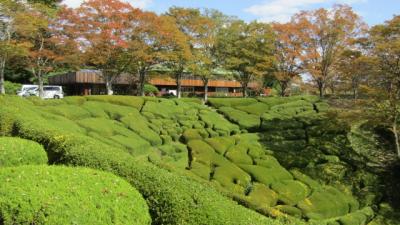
288	54
247	50
325	34
9	46
152	40
385	43
34	27
100	27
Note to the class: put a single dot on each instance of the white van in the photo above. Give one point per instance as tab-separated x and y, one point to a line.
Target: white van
49	92
27	90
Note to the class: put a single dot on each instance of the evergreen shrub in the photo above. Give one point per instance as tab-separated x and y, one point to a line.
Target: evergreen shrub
15	151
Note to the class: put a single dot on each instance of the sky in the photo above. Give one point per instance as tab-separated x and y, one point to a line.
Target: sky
372	11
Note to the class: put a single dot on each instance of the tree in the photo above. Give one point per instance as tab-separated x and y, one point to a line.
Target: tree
288	54
247	50
354	67
152	41
210	24
386	48
192	24
34	27
325	34
101	27
10	11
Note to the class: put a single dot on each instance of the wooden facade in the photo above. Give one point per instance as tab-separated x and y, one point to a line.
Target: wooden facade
88	82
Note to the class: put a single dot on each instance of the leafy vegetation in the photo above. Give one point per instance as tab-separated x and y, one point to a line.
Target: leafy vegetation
201	155
61	195
17	151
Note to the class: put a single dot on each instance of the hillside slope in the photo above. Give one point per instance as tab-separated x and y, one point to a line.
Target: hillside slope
184	157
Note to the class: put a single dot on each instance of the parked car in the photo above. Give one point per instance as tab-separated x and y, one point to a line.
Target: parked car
49	92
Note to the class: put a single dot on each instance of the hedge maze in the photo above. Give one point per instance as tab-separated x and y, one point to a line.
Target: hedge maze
276	157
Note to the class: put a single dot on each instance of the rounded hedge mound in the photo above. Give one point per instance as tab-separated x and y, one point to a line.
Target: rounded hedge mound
62	195
17	151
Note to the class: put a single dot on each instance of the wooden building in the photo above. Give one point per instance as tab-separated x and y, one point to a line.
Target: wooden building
90	82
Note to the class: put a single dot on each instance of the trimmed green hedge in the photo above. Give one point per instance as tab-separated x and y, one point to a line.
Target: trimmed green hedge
16	151
172	199
135	102
61	195
243	119
230	102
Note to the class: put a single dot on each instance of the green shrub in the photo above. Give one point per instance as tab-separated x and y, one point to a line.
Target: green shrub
238	154
324	203
290	191
218	123
221	144
173	199
150	89
71	112
293	108
322	106
230	102
135	102
261	196
16	151
257	109
274	121
289	210
273	101
243	119
194	134
11	88
266	175
61	195
357	218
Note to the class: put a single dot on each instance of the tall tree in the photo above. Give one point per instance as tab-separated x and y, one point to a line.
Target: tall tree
325	35
353	68
288	54
187	20
101	26
247	50
9	47
386	47
35	28
152	41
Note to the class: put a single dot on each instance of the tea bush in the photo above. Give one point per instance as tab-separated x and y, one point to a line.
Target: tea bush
172	198
219	154
61	195
16	151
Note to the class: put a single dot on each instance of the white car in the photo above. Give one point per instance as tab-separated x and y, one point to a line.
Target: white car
49	92
55	92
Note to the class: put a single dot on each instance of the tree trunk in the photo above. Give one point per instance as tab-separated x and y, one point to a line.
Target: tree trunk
284	86
396	138
2	67
109	86
355	93
205	82
178	77
40	84
321	88
244	90
142	79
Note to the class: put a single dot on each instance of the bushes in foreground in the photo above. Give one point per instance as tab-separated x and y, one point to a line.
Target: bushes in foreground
61	195
172	198
17	151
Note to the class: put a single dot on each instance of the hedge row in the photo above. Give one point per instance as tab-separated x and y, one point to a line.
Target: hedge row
17	151
172	199
239	166
61	195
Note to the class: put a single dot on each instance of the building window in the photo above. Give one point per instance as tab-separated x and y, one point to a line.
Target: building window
222	90
187	89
